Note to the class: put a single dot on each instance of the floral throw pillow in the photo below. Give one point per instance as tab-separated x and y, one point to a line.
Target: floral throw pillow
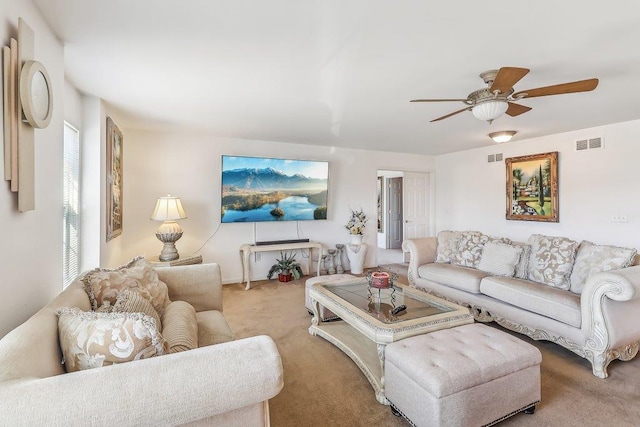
592	259
103	286
522	270
469	249
90	339
447	245
551	260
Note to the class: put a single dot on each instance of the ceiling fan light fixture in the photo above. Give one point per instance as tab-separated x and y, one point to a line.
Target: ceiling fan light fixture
502	136
489	110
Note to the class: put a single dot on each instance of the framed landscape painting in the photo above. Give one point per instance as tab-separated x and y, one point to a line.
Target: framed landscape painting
114	180
532	187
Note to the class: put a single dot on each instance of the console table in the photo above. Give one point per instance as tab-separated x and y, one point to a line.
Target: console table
246	250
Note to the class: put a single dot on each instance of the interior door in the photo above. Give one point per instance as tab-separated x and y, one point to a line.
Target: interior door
395	229
416	205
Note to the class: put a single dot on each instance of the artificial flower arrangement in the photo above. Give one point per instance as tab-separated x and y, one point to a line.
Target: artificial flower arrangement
357	222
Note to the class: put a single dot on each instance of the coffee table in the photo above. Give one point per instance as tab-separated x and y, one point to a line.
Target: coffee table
368	324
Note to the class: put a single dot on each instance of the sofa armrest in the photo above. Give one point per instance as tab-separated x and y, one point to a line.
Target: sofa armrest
421	251
167	390
200	285
610	305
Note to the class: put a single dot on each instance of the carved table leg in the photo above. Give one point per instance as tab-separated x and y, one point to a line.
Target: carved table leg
316	313
381	348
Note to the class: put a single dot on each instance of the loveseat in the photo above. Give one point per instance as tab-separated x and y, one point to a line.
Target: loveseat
588	302
222	382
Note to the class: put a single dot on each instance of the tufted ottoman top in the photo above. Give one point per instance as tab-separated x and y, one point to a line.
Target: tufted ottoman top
451	360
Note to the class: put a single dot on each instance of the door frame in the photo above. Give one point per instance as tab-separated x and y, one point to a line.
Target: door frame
432	197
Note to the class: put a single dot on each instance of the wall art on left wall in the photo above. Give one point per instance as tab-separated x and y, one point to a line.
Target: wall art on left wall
114	180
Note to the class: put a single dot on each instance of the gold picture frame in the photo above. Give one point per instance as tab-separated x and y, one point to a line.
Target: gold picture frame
532	187
114	180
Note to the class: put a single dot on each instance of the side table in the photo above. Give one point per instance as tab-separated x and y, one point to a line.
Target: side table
247	249
183	260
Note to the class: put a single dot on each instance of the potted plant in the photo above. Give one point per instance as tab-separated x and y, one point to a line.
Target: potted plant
286	267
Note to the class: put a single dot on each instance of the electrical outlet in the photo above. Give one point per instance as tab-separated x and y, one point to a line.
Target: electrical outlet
620	218
258	256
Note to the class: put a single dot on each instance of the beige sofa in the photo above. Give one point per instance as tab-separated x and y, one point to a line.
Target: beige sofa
601	324
225	384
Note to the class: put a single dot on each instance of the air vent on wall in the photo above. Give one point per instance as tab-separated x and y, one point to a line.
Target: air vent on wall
494	158
589	144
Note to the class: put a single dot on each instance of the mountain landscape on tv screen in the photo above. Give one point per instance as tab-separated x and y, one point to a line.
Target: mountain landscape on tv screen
266	194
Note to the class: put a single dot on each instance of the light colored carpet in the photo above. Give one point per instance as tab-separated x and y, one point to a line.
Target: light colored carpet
323	387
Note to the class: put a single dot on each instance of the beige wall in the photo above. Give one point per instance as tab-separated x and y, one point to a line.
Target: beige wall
594	185
188	165
30	254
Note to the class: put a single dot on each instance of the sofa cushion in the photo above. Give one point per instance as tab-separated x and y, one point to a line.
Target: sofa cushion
463	278
447	245
212	328
132	302
592	259
551	260
554	303
90	339
180	327
500	258
103	285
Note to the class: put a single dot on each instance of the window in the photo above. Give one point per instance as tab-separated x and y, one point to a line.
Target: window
71	200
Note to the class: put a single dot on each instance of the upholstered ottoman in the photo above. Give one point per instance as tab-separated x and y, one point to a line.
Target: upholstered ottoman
324	313
472	375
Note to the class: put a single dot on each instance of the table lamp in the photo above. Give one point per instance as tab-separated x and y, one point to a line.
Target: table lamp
168	209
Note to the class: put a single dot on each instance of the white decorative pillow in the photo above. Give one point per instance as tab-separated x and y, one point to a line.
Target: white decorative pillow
447	245
500	258
522	267
469	249
103	286
592	259
551	260
90	339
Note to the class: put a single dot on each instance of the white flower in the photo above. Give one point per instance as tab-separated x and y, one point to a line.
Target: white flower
356	223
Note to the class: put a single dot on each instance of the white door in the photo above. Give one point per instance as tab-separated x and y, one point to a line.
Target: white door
416	205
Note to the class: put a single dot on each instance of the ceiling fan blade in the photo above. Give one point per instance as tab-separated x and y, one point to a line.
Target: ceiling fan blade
579	86
506	78
437	100
517	109
451	114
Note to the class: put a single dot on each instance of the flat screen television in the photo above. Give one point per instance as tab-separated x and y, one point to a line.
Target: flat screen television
256	189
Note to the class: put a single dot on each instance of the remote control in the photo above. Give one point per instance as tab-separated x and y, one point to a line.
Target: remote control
398	309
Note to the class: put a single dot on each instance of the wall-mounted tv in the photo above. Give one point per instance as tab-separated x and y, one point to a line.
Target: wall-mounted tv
258	189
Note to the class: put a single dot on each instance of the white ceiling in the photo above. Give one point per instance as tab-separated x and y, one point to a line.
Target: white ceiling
341	72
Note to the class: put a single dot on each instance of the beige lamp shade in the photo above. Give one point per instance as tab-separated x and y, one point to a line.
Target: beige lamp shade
168	208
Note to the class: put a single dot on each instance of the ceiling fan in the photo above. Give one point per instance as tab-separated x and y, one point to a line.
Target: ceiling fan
499	98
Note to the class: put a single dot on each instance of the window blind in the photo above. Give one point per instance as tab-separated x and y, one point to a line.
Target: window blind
71	202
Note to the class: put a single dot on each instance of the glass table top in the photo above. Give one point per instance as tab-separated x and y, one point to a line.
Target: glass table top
380	303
